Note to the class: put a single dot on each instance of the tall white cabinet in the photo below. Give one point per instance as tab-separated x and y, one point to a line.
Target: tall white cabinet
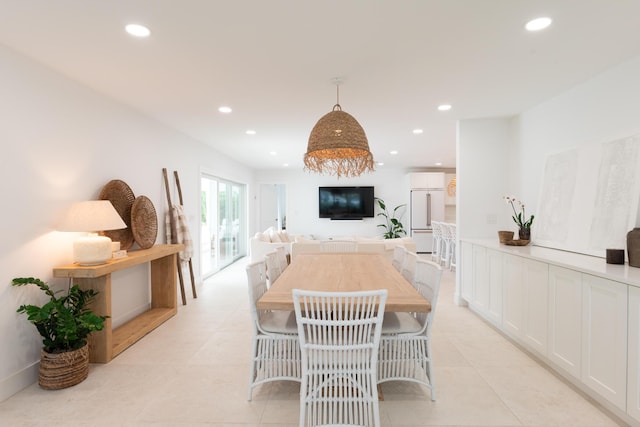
565	319
578	314
604	338
633	355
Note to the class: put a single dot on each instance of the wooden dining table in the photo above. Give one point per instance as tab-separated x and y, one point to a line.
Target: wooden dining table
343	272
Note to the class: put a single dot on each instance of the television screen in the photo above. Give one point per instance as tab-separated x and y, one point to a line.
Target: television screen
346	202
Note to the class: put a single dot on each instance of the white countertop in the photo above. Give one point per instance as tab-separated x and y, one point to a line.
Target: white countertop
584	263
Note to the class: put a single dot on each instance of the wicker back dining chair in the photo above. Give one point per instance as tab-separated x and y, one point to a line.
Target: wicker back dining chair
445	251
453	235
436	227
275	351
405	347
273	267
282	258
408	270
399	253
339	337
338	246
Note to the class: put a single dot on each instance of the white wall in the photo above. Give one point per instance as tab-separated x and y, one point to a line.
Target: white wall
502	156
392	185
63	142
482	165
600	110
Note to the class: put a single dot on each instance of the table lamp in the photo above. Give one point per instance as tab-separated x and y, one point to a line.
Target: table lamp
92	216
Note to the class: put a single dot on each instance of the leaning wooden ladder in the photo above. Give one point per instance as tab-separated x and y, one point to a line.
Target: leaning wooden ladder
174	235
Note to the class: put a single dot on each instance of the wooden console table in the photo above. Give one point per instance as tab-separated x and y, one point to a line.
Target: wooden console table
106	344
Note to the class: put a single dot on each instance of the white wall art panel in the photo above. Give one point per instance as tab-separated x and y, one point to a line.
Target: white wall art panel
589	197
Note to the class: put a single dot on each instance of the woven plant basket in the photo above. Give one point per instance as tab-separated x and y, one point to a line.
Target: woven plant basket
62	370
505	236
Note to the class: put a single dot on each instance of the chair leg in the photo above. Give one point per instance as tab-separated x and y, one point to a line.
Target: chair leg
429	371
254	351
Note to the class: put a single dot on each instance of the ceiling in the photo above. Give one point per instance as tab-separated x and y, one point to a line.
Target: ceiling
273	62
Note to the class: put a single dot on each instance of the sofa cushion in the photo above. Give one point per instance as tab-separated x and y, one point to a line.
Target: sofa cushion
275	237
284	236
262	237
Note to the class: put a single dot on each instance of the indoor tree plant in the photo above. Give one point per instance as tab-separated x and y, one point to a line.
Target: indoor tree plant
64	323
392	225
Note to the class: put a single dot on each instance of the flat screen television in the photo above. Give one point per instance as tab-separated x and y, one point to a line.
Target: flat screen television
346	202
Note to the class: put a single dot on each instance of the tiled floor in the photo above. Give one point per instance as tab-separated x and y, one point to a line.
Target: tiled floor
193	371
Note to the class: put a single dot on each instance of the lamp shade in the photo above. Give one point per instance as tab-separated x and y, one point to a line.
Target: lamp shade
338	146
92	216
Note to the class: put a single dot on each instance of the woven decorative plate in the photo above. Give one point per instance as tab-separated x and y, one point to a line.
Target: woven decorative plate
121	196
144	222
519	242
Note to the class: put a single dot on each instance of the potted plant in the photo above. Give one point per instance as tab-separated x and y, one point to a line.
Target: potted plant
392	225
520	218
64	323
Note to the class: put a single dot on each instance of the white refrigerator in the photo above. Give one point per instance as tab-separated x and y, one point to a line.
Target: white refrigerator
426	206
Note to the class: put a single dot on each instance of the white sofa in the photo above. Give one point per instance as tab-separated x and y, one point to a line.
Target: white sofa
383	246
267	241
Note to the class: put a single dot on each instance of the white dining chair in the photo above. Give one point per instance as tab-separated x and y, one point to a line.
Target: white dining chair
275	350
408	270
453	262
445	250
339	336
338	246
405	346
436	227
282	258
399	253
273	267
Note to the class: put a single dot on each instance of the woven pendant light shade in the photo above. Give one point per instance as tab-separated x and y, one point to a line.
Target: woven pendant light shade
338	146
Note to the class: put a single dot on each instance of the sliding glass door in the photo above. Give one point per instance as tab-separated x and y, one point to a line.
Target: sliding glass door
223	223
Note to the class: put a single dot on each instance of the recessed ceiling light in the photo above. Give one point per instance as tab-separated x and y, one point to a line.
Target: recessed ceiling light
417	131
225	110
393	152
380	163
273	153
250	132
538	24
444	107
137	30
438	164
286	165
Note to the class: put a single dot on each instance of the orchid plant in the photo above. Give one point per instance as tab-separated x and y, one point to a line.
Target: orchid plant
519	217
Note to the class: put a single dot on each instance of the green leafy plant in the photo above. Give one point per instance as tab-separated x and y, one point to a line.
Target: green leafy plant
392	225
64	322
519	217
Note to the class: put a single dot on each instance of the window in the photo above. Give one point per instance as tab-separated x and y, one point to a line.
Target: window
223	223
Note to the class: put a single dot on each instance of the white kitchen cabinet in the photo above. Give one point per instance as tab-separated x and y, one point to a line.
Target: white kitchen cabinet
513	295
480	299
466	271
536	304
565	319
494	277
580	315
633	355
525	292
482	281
604	338
422	180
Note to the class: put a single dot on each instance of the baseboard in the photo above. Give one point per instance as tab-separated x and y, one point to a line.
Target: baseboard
19	381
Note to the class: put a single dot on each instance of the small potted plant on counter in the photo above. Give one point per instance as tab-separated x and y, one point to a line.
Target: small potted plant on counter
520	218
64	323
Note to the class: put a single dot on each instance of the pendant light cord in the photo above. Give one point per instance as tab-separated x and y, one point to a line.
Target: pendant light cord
337	107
